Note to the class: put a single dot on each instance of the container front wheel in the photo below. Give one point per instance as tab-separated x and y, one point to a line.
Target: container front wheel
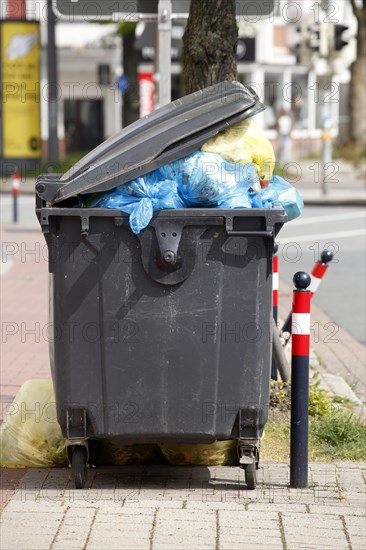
250	471
78	466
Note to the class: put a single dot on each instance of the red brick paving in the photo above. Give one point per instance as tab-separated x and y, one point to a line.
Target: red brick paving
24	295
9	480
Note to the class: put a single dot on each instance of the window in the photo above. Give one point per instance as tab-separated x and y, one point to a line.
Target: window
83	120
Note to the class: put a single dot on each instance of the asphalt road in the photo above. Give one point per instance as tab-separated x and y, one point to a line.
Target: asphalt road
342	291
342	229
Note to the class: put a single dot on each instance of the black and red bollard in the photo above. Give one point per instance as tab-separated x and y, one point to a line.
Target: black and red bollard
15	192
317	274
274	301
300	381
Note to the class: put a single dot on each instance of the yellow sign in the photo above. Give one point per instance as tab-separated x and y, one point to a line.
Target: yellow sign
20	89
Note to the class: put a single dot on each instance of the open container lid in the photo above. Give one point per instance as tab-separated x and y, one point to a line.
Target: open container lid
167	134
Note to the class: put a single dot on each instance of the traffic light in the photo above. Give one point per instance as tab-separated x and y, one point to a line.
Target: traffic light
313	41
296	37
339	40
318	39
296	45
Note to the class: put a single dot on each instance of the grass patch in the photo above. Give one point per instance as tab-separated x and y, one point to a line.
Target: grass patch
351	153
348	152
338	435
334	433
343	401
275	445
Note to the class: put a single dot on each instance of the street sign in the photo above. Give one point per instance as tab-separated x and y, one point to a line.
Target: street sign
245	46
122	83
145	42
136	10
164	12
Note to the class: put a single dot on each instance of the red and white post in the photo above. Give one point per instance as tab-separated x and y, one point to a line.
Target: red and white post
15	192
300	381
317	274
274	301
319	270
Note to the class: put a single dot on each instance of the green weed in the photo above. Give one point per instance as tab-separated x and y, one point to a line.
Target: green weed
339	435
334	433
320	402
349	152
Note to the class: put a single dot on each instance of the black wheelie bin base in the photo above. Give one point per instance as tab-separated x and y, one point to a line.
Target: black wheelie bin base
163	336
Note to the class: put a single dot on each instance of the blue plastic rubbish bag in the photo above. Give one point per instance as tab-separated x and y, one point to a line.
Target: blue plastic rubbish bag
282	192
200	179
197	180
207	180
265	199
142	197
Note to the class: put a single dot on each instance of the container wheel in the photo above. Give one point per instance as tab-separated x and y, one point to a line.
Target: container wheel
78	466
251	475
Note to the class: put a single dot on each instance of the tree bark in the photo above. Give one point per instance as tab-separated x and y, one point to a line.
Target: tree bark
209	44
358	81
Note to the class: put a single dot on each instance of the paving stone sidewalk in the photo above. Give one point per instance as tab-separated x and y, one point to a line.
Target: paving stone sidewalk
168	508
153	507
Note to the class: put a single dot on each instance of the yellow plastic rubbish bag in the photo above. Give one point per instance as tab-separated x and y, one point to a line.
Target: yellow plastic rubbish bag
219	453
242	143
30	435
111	453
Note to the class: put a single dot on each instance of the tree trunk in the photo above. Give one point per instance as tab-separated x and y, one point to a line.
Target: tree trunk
209	44
358	84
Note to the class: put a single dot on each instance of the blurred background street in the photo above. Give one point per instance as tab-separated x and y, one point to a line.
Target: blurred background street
74	73
88	80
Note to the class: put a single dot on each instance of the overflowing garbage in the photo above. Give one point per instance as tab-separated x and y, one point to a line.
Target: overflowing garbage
30	435
243	143
234	169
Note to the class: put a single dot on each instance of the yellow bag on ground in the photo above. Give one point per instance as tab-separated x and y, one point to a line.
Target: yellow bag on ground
30	435
219	453
242	143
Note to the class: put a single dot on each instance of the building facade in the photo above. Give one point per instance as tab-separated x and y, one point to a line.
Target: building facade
273	58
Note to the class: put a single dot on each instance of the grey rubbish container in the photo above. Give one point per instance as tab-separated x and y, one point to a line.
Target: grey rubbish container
164	336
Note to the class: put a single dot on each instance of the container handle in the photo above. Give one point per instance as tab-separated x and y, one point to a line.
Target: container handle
235	233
